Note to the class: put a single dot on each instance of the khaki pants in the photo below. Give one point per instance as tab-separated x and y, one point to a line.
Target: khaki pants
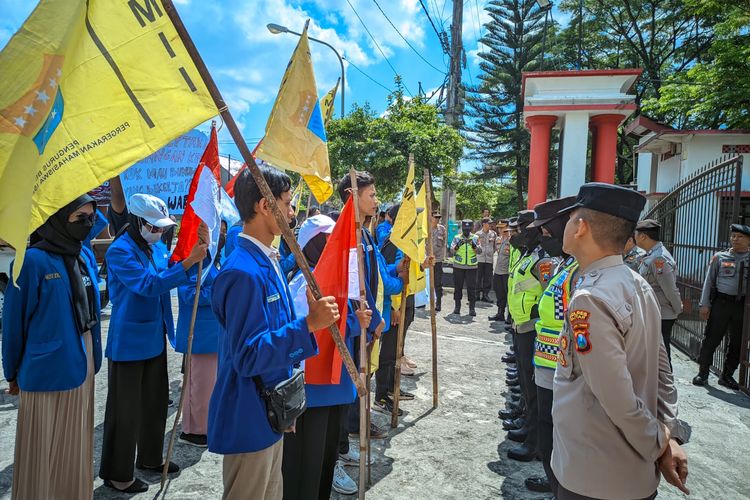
254	475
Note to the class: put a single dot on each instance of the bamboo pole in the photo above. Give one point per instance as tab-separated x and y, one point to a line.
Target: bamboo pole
186	375
364	361
430	253
247	156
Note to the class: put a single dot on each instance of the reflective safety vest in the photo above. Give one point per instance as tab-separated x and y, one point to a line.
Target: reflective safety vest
513	257
552	307
465	254
525	289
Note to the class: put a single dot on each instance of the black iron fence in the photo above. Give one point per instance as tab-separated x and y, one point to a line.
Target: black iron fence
695	217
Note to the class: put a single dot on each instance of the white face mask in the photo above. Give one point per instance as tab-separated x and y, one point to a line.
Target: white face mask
150	237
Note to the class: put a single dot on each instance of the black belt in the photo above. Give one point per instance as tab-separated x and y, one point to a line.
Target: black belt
730	298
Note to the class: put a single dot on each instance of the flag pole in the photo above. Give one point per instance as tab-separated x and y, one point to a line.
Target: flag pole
431	253
369	406
283	224
363	359
186	375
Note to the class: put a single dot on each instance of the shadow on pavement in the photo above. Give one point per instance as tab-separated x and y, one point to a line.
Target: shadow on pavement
734	397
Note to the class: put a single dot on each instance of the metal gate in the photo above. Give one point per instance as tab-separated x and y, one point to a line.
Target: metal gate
695	217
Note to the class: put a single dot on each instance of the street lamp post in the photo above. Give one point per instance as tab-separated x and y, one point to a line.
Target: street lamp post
277	29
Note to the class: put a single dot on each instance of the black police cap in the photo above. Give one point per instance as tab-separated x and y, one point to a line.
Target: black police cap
740	228
550	210
647	225
610	199
525	217
467	222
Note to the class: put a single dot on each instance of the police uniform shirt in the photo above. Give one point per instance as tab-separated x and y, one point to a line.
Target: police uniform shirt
724	273
612	386
633	258
502	264
439	243
486	241
659	269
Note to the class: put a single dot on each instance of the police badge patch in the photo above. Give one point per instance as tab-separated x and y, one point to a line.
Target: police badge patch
580	328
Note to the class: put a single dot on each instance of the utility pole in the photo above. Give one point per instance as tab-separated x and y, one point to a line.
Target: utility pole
455	105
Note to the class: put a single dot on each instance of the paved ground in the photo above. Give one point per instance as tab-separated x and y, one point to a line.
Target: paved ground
457	451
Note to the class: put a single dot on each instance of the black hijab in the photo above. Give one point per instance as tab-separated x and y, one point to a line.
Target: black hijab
54	237
314	248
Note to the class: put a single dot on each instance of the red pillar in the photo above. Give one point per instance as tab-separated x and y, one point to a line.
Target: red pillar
540	127
605	149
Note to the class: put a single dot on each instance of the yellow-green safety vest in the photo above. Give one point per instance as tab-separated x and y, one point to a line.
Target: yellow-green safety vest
525	289
465	254
513	258
552	307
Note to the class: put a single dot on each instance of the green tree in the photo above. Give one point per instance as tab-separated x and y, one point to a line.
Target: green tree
474	194
381	144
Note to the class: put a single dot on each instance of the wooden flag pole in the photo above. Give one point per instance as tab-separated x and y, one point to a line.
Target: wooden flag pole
431	253
369	406
186	375
247	156
363	360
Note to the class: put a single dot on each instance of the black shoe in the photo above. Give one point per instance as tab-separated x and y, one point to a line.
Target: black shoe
138	486
513	424
496	317
385	405
538	484
509	413
508	358
516	389
472	311
199	440
700	379
437	307
457	310
522	454
403	396
730	382
511	372
375	432
172	469
512	382
515	398
170	403
518	435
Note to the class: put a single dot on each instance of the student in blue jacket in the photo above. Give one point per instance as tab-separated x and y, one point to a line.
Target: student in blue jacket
51	350
140	277
203	358
260	341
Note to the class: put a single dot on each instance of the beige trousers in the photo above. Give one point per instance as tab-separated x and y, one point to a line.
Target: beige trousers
254	476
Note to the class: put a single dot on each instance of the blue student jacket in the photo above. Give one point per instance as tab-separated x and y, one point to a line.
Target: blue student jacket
141	303
382	232
231	240
100	222
392	284
42	347
260	336
206	332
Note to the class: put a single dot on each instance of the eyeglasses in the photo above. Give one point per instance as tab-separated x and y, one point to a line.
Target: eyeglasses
152	228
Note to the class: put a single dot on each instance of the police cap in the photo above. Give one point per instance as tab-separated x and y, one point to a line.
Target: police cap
610	199
467	223
740	228
437	214
525	217
513	222
648	225
549	210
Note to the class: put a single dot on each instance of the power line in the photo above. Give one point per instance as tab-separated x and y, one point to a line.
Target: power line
479	19
378	46
366	75
440	38
407	41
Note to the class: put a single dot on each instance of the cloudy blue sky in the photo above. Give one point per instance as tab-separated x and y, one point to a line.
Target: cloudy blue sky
248	61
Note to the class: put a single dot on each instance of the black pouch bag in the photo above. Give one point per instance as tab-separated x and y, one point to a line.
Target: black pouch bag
285	402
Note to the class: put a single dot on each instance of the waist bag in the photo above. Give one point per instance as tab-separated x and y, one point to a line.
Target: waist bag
285	402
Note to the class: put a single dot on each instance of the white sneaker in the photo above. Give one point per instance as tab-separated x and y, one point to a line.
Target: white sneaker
342	483
407	370
409	362
352	458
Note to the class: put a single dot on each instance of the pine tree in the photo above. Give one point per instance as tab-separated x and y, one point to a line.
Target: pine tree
495	129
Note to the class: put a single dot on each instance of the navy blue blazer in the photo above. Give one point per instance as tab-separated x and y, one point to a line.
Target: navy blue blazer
42	347
260	335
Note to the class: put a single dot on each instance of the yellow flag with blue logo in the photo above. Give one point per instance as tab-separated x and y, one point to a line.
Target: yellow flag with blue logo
406	232
326	103
295	133
88	88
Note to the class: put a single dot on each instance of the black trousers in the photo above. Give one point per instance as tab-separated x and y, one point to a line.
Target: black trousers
524	361
726	313
386	374
666	334
544	431
500	285
438	281
461	276
135	416
484	277
310	454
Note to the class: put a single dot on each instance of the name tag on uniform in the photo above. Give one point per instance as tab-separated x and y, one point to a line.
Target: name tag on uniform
273	298
52	276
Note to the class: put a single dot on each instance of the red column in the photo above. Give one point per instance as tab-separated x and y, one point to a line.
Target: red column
540	127
605	149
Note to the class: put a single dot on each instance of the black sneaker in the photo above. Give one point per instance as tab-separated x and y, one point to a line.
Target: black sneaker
172	469
405	396
730	382
375	431
138	486
385	405
199	440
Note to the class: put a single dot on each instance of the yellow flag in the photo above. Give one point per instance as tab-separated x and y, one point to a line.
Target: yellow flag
406	233
327	103
88	89
295	134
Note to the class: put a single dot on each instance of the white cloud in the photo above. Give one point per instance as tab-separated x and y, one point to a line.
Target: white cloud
473	29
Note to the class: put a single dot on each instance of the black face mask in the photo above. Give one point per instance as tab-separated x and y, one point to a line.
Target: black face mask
551	245
293	223
517	240
531	238
80	229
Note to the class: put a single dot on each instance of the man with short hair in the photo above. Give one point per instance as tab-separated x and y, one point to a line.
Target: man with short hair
487	239
439	247
502	268
632	255
465	248
659	269
614	407
723	305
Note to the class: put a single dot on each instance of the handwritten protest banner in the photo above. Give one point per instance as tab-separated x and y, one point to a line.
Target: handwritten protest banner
167	173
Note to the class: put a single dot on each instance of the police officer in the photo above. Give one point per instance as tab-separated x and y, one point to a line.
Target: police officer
659	269
465	248
487	239
502	268
632	254
614	401
722	304
529	278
